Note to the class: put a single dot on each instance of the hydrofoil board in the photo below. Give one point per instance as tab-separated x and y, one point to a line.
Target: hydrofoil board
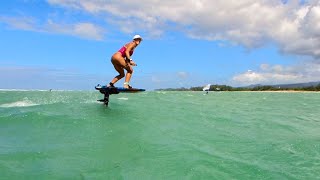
114	90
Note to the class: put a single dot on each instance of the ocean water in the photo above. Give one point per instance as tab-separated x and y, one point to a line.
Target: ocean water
159	135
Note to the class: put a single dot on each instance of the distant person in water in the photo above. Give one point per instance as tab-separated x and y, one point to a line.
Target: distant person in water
122	60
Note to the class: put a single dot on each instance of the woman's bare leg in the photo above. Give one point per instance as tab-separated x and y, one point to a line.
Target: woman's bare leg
118	64
120	70
128	76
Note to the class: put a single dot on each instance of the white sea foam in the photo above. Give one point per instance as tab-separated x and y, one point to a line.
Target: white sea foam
24	103
123	98
23	90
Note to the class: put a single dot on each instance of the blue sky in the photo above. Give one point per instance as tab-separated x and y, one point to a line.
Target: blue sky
67	44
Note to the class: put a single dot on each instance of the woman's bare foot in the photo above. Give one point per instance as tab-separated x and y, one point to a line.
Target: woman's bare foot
110	84
126	85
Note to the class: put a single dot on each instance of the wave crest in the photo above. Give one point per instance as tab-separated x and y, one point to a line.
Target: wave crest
24	103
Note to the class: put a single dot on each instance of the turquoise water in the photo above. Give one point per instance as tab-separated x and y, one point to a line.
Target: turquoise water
159	135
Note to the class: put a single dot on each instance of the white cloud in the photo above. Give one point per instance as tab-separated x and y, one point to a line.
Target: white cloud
84	30
24	23
80	29
278	74
293	26
182	75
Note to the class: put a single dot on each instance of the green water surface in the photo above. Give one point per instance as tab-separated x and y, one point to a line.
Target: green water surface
159	135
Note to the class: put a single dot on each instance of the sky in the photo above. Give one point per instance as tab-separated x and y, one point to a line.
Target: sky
67	44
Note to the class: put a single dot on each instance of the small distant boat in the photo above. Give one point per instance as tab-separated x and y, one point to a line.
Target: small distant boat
206	88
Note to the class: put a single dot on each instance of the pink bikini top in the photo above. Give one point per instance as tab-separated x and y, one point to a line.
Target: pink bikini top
123	51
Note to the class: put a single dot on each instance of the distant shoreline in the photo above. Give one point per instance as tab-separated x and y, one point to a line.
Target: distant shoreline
259	88
284	91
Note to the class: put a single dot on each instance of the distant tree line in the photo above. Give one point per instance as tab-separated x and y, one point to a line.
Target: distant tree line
257	88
